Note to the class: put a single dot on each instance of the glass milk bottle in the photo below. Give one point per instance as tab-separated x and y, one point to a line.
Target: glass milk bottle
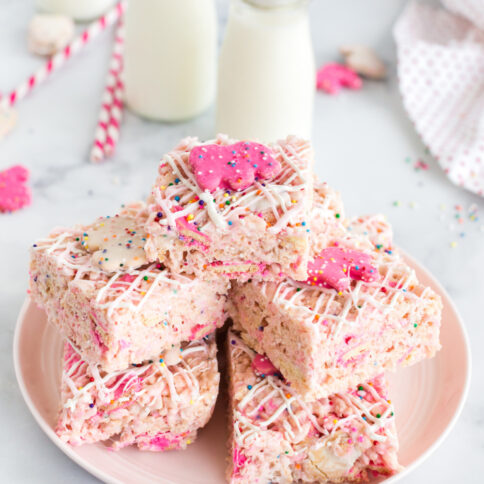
170	58
77	9
266	79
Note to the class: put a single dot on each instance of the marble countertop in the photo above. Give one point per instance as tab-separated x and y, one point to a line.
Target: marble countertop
365	147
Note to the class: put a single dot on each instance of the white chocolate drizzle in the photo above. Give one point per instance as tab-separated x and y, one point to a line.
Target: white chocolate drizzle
106	384
395	285
290	416
123	289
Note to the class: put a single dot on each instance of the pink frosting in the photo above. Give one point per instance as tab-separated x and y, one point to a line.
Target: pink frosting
14	192
335	266
124	383
124	278
263	366
332	77
161	442
201	330
233	167
96	338
239	459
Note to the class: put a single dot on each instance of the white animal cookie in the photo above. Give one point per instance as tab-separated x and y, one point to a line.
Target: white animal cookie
364	61
49	33
117	243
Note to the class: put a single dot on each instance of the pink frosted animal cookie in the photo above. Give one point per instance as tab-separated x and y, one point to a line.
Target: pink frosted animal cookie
335	266
14	192
234	167
332	77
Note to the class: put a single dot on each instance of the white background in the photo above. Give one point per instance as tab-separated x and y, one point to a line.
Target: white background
362	140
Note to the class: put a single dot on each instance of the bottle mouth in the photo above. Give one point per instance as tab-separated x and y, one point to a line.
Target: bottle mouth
275	4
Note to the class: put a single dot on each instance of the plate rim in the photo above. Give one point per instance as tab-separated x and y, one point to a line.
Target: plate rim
107	478
465	392
96	472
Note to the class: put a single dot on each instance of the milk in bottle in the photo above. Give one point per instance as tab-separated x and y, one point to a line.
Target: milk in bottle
170	58
266	78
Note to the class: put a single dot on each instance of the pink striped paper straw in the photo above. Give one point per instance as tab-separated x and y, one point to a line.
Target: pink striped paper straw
107	130
115	119
59	59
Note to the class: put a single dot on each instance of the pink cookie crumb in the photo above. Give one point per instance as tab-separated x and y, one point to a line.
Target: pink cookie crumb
263	366
96	339
239	459
190	232
161	442
14	191
125	278
200	330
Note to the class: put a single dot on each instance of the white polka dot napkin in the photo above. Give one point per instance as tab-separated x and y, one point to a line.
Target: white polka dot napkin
441	75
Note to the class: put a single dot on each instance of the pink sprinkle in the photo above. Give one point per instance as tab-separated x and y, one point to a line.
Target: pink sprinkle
421	165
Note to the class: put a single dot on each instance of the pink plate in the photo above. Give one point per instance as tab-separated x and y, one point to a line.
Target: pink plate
428	399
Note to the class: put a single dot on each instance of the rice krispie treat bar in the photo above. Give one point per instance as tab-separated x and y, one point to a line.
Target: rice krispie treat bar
360	312
157	405
276	437
233	209
97	286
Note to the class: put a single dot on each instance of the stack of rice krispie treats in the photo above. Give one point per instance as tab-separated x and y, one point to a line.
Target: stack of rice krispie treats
320	307
139	363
